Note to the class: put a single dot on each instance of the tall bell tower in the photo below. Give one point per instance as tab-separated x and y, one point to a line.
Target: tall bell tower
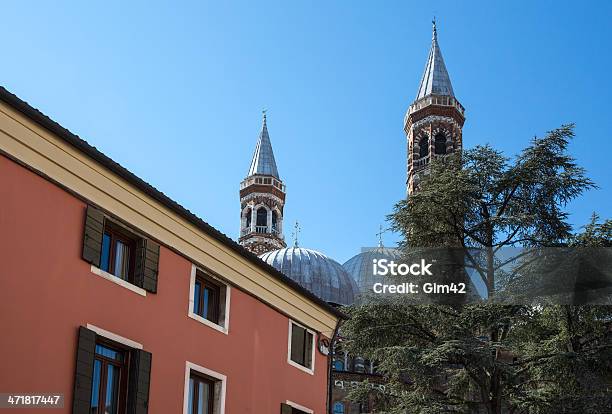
433	123
262	199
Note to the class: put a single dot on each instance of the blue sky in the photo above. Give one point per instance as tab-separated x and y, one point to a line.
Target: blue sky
174	92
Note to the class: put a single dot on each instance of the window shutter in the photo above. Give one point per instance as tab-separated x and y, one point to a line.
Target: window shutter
286	409
139	379
92	237
83	377
147	264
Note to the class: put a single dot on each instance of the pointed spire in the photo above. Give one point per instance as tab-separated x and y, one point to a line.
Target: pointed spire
263	158
435	78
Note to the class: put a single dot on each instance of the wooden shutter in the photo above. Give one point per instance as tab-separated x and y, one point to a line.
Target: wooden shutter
139	379
83	376
147	264
286	409
92	237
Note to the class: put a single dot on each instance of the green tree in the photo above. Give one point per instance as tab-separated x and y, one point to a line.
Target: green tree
488	357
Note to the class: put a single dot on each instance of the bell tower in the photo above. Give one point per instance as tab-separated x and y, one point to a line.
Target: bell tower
433	123
262	199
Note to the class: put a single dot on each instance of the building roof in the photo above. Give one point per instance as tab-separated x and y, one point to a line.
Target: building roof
263	158
83	146
316	272
435	80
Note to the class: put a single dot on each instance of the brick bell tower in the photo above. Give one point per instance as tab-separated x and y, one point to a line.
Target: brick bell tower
262	199
433	123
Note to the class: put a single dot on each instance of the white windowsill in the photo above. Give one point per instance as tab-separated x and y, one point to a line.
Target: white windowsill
206	322
99	272
299	407
301	367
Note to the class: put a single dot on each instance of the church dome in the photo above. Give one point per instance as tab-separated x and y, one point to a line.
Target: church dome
316	272
360	265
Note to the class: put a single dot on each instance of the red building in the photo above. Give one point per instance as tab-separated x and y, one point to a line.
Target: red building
125	302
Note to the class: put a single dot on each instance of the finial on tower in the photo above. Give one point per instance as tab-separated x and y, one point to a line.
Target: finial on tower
380	234
264	115
433	28
296	233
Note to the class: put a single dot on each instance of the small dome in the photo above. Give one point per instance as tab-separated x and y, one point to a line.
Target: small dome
360	266
316	272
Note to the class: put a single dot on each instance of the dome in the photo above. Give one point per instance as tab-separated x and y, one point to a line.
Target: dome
360	266
316	272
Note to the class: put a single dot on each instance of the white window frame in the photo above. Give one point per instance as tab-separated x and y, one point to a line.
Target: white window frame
289	360
115	279
114	337
299	407
224	326
219	391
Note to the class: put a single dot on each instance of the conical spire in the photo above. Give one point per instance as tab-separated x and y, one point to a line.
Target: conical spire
435	79
263	158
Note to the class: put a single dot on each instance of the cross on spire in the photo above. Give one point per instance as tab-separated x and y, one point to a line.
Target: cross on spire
296	233
380	234
434	31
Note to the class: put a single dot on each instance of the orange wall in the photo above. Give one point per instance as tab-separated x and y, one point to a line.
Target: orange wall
47	291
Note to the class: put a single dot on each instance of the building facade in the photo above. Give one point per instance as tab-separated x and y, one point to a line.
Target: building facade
121	300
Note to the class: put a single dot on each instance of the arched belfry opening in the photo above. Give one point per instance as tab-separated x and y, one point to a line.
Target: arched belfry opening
262	218
424	146
440	143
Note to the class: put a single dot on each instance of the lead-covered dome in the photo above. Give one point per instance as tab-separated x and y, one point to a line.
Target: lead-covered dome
360	266
316	272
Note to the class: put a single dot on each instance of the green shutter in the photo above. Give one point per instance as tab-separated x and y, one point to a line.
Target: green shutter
138	382
147	264
92	236
286	409
83	376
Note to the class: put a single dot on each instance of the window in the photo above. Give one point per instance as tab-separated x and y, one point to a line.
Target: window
108	393
117	256
262	217
424	146
440	144
248	218
204	391
201	394
301	349
209	300
338	408
206	298
112	374
274	221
